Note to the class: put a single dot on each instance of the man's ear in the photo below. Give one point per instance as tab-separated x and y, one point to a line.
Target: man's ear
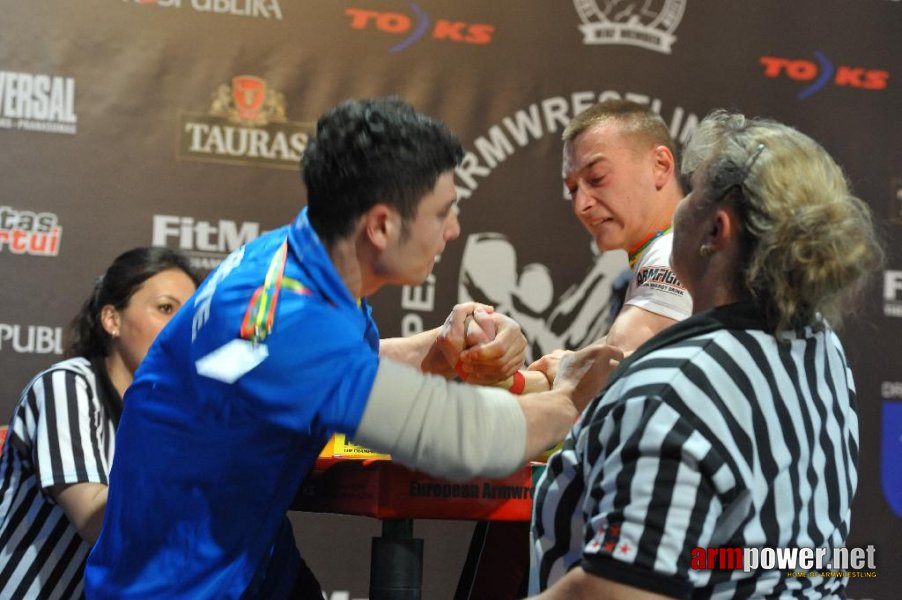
663	166
380	225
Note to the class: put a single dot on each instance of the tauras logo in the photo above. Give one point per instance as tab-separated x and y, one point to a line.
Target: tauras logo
206	243
246	124
26	232
31	339
37	102
265	9
649	24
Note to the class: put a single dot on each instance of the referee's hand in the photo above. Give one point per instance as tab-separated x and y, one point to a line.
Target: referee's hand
583	373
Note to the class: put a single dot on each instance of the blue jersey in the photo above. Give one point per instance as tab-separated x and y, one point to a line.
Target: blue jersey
217	432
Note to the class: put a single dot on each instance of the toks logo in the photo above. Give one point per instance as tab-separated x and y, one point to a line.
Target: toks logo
206	243
823	73
246	124
399	23
650	26
25	232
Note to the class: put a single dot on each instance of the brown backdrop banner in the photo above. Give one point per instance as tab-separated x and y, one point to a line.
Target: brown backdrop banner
181	123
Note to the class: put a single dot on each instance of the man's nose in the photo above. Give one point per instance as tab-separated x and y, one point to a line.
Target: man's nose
452	230
582	200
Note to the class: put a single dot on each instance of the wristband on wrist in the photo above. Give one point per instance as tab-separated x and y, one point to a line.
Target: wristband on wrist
458	368
519	383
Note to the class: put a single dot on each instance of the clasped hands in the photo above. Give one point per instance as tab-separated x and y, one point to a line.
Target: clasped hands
486	348
479	345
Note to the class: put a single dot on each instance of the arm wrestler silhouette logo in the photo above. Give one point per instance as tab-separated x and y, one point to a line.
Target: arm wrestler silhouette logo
490	273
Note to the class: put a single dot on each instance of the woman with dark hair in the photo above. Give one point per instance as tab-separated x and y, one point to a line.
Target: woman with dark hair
59	448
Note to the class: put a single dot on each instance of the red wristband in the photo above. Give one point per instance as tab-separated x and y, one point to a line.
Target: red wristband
458	368
519	383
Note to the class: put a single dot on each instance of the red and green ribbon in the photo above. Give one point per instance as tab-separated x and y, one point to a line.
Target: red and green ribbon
261	311
636	251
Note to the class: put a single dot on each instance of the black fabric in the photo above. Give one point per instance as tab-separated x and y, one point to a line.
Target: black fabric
306	585
108	394
497	565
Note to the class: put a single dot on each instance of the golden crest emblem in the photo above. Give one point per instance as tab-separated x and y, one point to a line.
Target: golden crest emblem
248	101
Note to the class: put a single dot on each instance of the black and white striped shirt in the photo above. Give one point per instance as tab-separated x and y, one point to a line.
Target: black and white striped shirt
712	435
62	432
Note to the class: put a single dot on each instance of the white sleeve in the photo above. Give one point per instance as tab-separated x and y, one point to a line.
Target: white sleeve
655	287
67	445
443	428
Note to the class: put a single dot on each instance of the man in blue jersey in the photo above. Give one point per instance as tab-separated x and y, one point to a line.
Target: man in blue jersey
278	350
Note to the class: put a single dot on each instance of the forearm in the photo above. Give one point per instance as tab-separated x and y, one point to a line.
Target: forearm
549	415
447	429
83	504
418	350
578	584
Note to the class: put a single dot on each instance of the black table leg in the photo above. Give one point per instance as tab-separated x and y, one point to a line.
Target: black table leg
396	563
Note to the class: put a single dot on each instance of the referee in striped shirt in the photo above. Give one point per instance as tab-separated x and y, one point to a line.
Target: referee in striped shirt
735	428
59	448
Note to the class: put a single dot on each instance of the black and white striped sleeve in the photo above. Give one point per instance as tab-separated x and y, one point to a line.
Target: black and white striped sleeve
67	448
654	495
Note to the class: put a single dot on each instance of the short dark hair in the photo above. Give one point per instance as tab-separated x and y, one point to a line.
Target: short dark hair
366	152
116	287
